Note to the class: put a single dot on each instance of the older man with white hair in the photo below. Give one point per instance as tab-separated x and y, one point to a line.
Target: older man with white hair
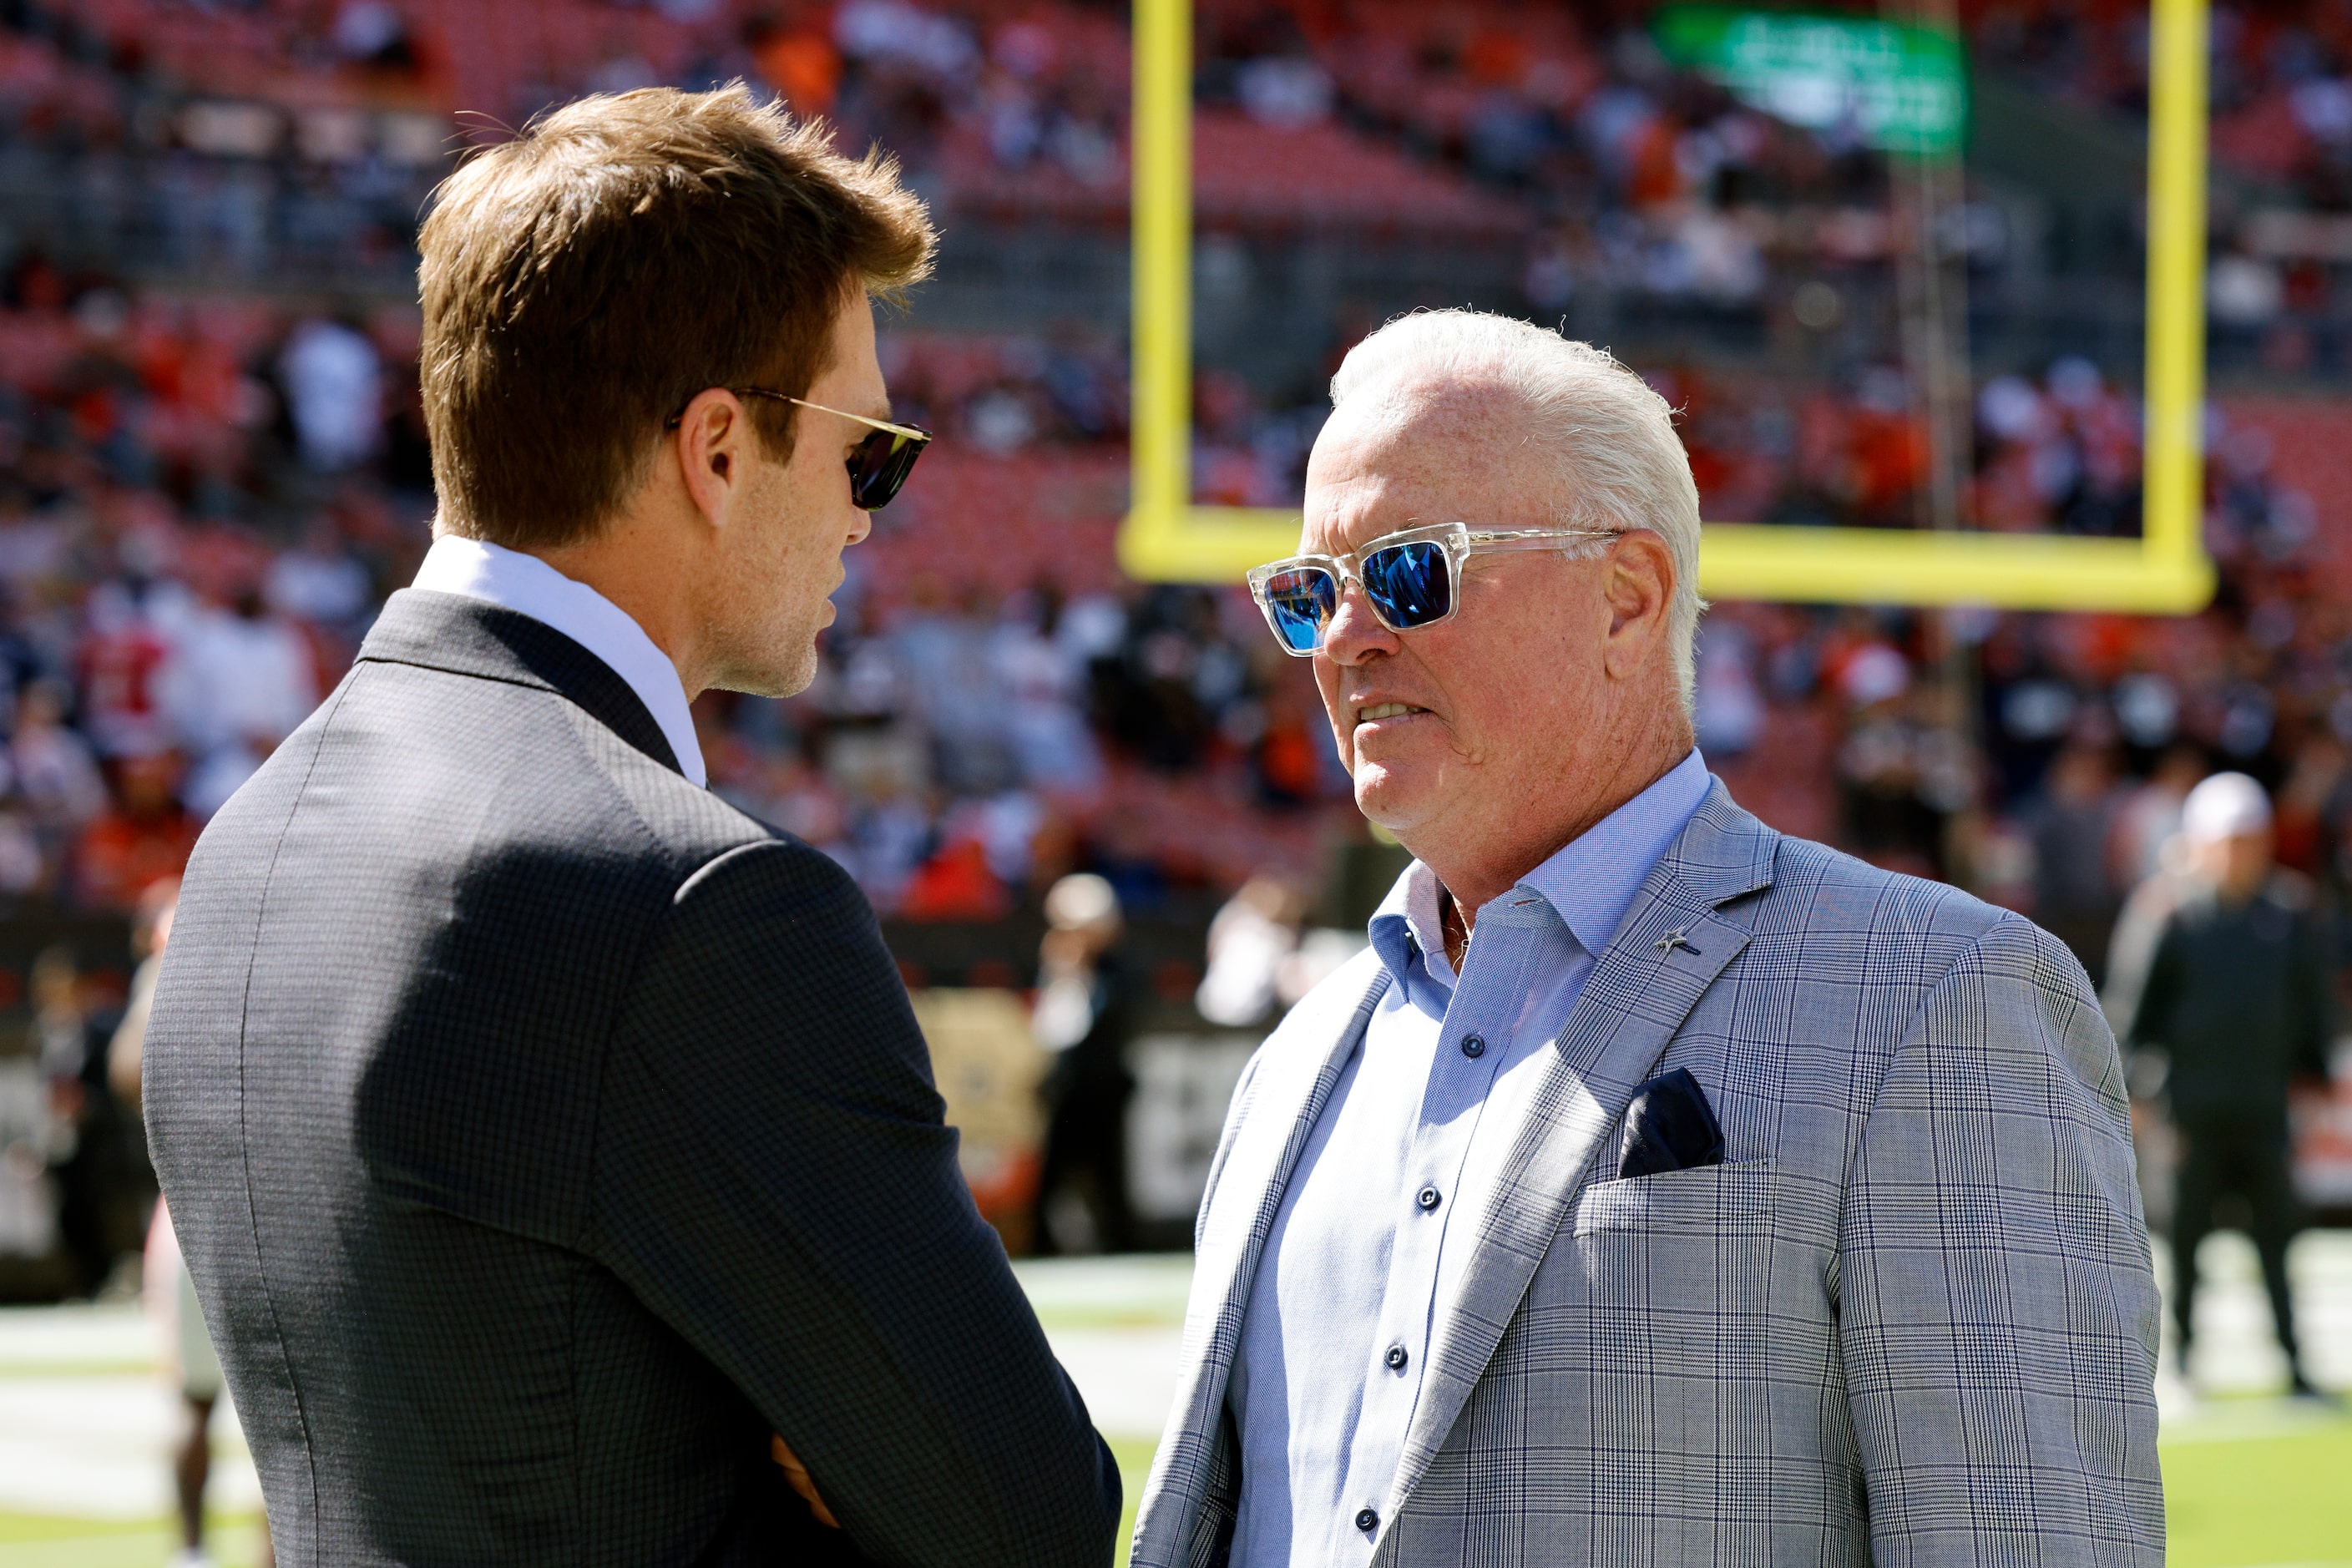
1656	1188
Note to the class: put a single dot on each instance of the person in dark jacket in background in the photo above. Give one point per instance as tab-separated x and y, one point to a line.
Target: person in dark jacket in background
2238	996
1086	1008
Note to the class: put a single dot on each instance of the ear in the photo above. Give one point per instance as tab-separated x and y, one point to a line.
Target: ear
710	443
1640	589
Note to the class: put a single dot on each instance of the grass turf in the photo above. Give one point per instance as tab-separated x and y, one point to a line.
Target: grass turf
29	1540
2231	1502
2234	1501
2239	1501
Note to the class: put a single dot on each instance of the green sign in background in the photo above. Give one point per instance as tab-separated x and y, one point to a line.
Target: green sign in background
1904	89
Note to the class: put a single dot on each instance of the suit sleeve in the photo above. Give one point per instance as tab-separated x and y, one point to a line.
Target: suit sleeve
1997	1310
775	1180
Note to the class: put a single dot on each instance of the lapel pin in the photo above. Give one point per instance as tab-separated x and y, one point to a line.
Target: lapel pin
1675	938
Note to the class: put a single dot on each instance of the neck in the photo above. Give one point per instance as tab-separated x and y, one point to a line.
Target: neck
641	562
1484	860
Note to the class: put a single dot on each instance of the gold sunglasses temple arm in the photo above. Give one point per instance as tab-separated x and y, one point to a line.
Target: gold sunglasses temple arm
908	431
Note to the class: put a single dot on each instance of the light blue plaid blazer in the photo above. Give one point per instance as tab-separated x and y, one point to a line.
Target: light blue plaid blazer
1909	1320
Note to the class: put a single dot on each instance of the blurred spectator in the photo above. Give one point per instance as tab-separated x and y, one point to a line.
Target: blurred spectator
2072	826
55	773
150	930
122	667
1250	939
243	680
23	867
1730	704
193	1368
146	836
89	1156
2238	996
321	582
1043	679
334	392
954	689
1085	1014
188	1358
2149	819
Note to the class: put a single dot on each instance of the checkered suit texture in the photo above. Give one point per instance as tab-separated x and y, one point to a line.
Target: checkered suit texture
543	1132
1910	1320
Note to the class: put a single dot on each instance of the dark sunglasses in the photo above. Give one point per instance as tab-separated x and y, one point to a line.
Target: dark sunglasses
1410	579
877	465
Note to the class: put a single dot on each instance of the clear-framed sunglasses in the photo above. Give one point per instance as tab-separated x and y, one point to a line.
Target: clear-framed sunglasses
1411	579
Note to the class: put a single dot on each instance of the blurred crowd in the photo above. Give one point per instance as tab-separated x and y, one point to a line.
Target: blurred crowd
200	506
300	140
202	496
202	501
2280	80
967	749
2042	759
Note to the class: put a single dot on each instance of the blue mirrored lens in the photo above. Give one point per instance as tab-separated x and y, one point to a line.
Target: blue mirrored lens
1408	585
1302	601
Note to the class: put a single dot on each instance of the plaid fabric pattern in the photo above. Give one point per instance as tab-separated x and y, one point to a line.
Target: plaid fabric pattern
1910	1320
543	1132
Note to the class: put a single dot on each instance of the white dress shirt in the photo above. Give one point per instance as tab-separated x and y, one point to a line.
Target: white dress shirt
1377	1223
529	587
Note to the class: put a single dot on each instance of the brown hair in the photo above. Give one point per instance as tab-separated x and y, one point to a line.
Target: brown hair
584	280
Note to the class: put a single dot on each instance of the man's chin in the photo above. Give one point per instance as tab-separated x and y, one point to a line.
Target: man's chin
1392	798
779	677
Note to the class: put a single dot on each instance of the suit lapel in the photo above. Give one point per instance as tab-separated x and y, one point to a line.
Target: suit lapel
1293	1082
1631	1004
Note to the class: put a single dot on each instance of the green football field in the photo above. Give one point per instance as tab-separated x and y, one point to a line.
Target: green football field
2244	1493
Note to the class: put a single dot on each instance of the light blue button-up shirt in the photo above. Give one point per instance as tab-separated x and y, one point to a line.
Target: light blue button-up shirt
1376	1225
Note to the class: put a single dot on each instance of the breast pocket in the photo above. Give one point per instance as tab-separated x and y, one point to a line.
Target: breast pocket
1671	1257
1710	1197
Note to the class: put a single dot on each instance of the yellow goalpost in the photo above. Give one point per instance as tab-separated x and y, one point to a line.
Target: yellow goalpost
1166	538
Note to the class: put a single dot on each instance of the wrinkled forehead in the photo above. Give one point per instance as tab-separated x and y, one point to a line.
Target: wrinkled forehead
1421	453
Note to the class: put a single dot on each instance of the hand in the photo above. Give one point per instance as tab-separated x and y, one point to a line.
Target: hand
796	1475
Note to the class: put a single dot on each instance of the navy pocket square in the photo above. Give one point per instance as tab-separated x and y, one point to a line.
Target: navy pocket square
1669	1127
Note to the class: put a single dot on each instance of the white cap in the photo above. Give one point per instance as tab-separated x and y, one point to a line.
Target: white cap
1081	901
2224	807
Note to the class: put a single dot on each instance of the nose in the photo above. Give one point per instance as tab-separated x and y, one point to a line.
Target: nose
1355	633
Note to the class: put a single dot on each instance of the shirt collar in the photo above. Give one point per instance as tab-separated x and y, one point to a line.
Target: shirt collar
1589	883
477	569
1407	927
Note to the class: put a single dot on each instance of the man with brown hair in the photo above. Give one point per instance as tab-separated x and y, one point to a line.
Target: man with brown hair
547	1138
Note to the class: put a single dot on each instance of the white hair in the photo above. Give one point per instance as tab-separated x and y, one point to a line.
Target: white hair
1616	461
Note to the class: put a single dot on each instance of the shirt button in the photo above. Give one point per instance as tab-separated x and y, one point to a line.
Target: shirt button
1473	1045
1367	1521
1396	1358
1426	1197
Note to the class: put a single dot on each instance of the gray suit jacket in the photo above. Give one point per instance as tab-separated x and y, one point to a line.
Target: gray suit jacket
1910	1320
541	1132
